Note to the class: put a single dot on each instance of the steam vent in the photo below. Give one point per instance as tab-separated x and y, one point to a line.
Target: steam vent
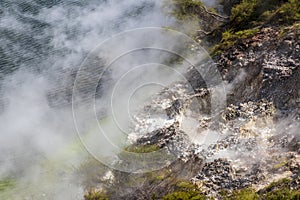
150	100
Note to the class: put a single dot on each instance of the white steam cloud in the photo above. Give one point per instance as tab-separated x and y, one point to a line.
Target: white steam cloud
39	145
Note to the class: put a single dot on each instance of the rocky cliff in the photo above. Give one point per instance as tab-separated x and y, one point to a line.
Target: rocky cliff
252	152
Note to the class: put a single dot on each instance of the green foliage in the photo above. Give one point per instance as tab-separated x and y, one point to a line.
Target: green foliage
243	12
142	148
186	8
275	191
6	184
184	195
278	184
185	191
229	38
95	195
280	190
283	193
245	194
250	13
290	11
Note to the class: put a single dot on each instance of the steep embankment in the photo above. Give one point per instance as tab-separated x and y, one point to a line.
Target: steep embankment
252	151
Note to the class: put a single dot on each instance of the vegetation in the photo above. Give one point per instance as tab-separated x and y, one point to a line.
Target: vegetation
6	184
250	13
246	19
283	193
247	16
185	191
245	194
280	190
142	148
275	191
195	17
230	38
184	9
95	195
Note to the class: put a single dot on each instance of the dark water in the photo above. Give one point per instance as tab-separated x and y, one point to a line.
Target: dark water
27	33
50	38
42	44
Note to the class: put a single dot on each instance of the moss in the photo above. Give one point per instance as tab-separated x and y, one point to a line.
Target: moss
279	190
283	193
184	9
280	165
243	12
278	184
290	12
142	148
185	185
245	194
230	38
6	184
250	13
95	195
184	195
184	190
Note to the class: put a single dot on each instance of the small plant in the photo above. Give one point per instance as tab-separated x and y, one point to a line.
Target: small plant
230	38
280	190
290	11
6	183
184	195
185	191
278	184
245	194
142	148
186	8
283	193
95	195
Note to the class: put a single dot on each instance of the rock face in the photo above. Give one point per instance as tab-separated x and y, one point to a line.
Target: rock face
266	65
255	142
262	75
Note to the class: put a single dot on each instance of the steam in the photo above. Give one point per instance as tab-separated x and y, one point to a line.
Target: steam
43	47
47	44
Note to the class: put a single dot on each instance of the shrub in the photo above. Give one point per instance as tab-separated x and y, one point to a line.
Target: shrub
249	13
290	11
230	38
186	8
244	11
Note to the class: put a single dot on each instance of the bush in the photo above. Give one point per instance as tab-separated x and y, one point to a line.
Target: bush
250	13
290	11
243	12
230	38
186	8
